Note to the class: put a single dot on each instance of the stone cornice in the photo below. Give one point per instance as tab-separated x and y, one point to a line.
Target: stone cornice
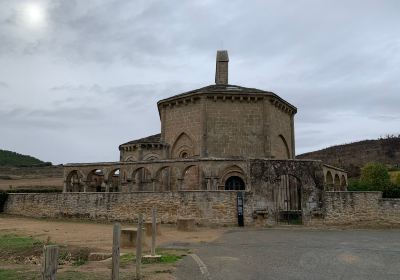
144	146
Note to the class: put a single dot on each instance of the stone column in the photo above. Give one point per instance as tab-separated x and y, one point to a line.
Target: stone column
215	183
140	153
65	187
153	181
208	183
179	183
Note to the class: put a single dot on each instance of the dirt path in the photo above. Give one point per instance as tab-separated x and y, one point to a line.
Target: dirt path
94	235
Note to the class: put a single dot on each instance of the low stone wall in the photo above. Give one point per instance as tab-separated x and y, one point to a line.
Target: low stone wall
354	207
389	210
207	207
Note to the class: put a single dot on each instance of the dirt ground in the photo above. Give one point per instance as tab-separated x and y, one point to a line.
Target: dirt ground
98	237
95	235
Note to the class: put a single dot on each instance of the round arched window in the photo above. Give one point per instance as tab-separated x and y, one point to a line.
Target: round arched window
234	183
184	155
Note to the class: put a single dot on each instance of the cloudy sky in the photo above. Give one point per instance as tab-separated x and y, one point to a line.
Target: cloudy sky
77	78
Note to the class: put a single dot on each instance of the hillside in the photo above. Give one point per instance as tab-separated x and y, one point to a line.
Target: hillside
8	158
353	156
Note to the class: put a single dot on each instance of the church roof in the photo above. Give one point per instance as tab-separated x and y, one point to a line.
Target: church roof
152	139
226	89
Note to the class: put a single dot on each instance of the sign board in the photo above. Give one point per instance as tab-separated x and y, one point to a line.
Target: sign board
240	208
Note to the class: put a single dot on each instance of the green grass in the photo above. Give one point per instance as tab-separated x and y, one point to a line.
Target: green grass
13	242
167	257
10	274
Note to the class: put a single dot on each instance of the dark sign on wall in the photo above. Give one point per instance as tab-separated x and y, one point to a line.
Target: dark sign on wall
240	207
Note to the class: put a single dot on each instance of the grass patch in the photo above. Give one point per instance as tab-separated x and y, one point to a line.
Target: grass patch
11	274
170	258
167	257
16	243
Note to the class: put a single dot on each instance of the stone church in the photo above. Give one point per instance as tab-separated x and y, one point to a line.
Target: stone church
218	138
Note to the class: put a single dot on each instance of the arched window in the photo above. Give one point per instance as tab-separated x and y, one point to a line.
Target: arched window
234	183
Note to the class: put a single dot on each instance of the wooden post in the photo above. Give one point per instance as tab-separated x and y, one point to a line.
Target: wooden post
115	251
139	246
49	262
153	231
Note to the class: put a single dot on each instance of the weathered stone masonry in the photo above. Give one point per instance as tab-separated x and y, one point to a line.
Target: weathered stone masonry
206	207
354	207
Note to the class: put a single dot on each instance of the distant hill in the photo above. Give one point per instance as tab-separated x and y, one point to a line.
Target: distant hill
353	156
8	158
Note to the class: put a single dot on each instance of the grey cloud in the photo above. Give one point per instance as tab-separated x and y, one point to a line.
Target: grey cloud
108	62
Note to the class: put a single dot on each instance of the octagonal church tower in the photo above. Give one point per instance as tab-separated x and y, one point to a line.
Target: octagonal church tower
220	121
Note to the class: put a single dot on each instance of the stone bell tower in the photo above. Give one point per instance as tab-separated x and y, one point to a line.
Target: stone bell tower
221	71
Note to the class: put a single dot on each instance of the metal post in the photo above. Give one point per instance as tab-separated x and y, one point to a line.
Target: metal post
115	251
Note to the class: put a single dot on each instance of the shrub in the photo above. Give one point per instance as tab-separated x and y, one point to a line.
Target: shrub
375	176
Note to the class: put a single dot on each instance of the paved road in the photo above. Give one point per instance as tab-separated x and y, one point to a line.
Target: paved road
298	254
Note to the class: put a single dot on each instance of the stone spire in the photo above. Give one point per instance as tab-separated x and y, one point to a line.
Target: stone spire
221	71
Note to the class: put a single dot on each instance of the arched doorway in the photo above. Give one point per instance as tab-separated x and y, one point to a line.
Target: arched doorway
74	182
287	199
329	181
337	183
234	183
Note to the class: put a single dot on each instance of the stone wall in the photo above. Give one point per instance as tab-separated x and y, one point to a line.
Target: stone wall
211	207
354	207
183	120
281	134
235	128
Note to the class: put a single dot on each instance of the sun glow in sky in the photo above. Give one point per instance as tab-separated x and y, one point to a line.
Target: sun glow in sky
34	14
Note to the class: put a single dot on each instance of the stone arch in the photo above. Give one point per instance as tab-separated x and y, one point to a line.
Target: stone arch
182	147
191	178
165	179
114	179
336	182
130	158
96	181
283	151
74	181
329	181
231	171
234	183
142	179
151	156
343	183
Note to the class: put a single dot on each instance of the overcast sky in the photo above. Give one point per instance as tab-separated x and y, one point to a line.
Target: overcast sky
78	78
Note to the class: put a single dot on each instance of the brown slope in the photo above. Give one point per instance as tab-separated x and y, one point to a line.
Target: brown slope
353	156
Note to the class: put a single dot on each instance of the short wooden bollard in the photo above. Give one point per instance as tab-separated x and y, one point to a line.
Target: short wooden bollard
139	246
115	251
148	228
129	237
153	257
154	231
50	262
